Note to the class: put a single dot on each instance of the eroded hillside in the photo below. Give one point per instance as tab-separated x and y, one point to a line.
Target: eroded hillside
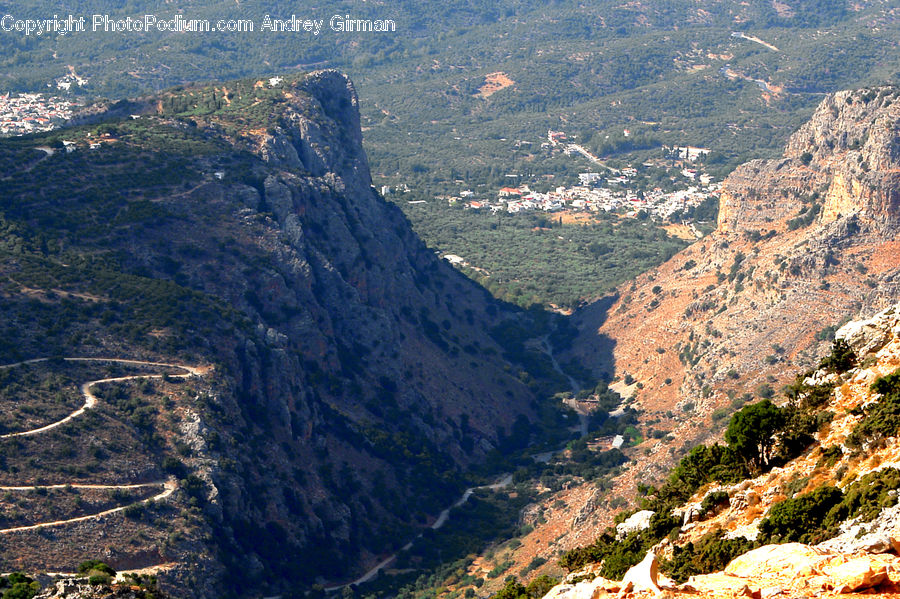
341	376
822	523
802	243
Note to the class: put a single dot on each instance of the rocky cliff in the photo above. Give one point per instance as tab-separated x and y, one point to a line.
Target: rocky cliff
350	378
802	242
776	534
732	319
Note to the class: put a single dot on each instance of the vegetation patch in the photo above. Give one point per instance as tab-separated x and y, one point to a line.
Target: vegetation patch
882	419
709	554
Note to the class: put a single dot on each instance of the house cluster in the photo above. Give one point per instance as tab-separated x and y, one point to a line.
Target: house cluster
67	81
29	113
616	196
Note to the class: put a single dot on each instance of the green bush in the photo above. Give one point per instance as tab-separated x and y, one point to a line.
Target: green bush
814	517
704	464
714	500
801	518
866	497
841	359
882	419
95	564
20	586
99	579
709	554
617	555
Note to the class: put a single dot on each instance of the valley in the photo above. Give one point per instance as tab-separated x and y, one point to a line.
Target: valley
230	363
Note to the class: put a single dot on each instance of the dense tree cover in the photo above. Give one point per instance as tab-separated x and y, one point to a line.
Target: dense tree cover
592	69
531	258
536	589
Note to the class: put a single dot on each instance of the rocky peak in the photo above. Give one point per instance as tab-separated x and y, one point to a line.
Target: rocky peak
845	159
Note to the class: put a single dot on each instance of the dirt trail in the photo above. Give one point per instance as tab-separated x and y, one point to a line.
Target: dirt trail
90	400
169	487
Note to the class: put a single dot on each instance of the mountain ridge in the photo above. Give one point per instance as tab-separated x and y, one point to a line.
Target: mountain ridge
353	382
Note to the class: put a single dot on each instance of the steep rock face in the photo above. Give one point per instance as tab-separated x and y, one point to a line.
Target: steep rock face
369	373
354	374
854	138
802	242
848	153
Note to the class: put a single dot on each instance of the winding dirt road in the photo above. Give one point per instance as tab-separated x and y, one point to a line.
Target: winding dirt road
169	487
90	400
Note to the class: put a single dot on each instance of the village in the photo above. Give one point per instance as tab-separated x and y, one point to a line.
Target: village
30	113
611	190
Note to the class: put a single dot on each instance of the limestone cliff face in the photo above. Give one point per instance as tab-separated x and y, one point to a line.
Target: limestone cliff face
353	374
854	138
848	154
370	378
803	242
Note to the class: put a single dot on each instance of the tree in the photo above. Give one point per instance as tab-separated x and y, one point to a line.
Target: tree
512	590
20	586
751	432
841	359
540	586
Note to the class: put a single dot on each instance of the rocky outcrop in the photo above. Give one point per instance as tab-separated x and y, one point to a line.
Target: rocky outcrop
355	375
81	588
853	138
635	522
870	335
741	311
846	158
369	382
789	570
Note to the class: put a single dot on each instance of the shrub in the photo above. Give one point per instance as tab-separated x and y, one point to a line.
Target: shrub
814	517
99	579
801	518
512	590
617	555
95	564
714	500
710	553
841	359
540	586
830	456
882	419
867	496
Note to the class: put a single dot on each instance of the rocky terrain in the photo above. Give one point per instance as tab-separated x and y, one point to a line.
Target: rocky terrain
803	244
346	376
859	554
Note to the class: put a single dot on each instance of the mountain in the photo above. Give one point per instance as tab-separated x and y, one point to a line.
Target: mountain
802	242
299	383
822	522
